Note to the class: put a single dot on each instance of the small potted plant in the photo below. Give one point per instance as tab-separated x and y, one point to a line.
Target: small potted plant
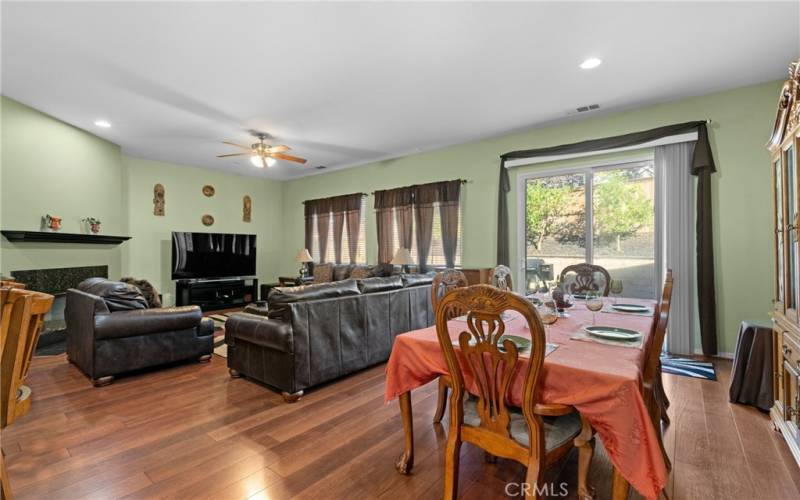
94	224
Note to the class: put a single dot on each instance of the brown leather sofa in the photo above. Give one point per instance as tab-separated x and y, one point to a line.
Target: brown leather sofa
317	333
110	330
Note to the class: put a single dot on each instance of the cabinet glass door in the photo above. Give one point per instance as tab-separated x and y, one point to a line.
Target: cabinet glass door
791	232
779	277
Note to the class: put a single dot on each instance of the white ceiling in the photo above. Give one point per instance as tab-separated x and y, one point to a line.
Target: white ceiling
349	83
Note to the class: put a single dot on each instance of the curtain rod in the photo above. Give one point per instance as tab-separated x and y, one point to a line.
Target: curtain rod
463	181
351	194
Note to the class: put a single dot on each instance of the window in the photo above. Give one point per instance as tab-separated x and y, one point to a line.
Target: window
436	254
602	215
330	253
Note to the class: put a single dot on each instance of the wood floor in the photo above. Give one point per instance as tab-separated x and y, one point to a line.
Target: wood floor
190	431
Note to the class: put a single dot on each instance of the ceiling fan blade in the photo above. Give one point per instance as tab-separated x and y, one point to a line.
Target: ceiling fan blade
237	145
288	157
234	154
278	149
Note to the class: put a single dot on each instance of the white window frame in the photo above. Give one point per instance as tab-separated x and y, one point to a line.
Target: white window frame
589	169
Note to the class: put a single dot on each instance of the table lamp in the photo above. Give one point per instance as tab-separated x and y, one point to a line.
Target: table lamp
402	258
303	257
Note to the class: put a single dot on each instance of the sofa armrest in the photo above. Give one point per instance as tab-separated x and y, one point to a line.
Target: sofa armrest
79	313
271	333
146	321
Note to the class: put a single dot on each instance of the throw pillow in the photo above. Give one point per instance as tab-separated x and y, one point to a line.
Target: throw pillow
148	290
361	272
323	273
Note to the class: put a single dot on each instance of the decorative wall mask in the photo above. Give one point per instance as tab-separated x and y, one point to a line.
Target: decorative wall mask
158	199
208	220
209	190
247	208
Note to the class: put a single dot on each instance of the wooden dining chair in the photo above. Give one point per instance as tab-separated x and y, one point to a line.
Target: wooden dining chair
536	435
501	278
443	282
23	317
585	279
654	395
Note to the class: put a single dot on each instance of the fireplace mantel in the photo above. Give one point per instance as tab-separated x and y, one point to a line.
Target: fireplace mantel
54	237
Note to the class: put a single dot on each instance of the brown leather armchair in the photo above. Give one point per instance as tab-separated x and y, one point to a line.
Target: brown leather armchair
110	331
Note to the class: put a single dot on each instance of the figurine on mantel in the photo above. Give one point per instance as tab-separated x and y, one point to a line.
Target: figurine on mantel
51	223
93	224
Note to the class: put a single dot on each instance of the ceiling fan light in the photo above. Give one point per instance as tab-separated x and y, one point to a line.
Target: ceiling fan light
271	161
256	161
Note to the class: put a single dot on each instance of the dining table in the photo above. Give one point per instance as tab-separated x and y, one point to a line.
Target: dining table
601	379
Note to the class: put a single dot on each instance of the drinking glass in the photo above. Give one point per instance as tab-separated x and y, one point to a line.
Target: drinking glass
549	315
616	289
594	302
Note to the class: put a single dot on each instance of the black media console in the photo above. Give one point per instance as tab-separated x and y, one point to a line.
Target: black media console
211	294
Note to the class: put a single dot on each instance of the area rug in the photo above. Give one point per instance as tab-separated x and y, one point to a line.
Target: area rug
688	367
219	319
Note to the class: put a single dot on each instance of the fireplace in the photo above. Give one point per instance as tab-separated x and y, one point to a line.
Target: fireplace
56	281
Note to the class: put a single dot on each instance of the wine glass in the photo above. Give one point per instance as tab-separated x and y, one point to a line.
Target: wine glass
549	315
616	289
594	302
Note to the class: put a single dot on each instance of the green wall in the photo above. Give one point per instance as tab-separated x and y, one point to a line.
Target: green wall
741	122
148	253
49	166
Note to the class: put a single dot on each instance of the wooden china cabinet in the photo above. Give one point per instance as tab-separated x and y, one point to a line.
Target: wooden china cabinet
783	146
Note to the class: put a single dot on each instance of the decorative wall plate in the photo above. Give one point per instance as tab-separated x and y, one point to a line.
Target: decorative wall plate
209	190
208	220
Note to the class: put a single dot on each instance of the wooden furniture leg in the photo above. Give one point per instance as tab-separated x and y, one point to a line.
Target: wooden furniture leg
405	462
585	444
441	399
103	381
205	358
621	488
292	397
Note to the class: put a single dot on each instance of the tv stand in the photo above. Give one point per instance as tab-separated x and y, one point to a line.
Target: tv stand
216	293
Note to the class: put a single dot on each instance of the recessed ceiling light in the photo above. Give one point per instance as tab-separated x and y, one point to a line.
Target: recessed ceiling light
590	63
102	123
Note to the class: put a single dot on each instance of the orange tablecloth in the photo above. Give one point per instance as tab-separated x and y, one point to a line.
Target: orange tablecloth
602	381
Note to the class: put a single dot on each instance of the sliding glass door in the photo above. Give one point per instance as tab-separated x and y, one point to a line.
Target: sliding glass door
602	215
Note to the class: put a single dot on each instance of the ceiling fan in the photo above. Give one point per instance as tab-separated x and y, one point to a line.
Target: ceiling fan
262	154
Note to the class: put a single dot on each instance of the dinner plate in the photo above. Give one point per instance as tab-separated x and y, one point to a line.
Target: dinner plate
522	343
630	308
613	333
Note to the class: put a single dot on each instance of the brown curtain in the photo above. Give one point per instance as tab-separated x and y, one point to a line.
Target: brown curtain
424	198
310	211
449	196
702	166
404	199
338	230
323	223
384	216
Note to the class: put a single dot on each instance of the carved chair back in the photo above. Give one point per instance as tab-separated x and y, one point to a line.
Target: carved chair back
651	369
492	365
443	282
582	278
501	278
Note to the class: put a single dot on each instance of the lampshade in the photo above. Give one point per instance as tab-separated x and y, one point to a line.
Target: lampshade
256	161
303	256
402	257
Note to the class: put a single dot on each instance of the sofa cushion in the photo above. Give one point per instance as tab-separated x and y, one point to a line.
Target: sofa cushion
417	279
146	322
118	296
323	273
383	270
361	272
341	271
377	284
280	297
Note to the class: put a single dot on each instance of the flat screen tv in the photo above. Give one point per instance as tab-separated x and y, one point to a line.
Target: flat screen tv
212	255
